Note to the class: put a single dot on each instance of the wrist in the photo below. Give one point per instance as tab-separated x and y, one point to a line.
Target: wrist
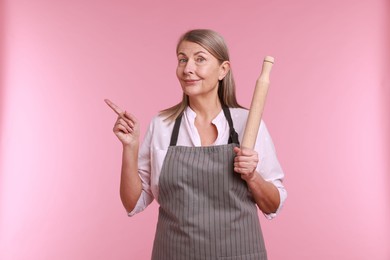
255	180
131	146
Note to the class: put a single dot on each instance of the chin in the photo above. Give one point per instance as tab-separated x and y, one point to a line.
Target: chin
191	93
190	90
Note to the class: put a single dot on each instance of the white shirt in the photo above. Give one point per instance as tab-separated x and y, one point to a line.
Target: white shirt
156	142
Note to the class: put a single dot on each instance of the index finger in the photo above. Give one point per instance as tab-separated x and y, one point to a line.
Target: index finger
114	107
247	151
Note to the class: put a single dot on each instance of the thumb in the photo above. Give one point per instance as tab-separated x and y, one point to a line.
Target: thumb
237	150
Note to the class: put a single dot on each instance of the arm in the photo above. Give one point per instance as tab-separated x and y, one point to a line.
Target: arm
126	128
130	184
265	193
263	162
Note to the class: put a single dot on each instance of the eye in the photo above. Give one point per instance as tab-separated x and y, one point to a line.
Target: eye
200	59
182	60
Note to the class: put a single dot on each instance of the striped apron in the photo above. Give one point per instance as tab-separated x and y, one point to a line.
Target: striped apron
206	211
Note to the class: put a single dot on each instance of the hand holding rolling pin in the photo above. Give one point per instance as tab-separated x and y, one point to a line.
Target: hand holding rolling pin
246	160
126	127
245	163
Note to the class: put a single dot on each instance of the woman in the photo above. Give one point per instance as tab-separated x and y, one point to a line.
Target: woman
191	163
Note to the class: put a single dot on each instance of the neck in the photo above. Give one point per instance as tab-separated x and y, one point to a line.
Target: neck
206	108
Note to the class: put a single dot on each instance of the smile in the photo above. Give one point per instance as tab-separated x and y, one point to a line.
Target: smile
191	82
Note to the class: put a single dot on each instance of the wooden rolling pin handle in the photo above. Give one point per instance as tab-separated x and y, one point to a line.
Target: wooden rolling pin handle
257	104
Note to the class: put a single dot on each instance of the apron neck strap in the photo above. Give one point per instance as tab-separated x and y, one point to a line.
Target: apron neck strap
175	132
233	137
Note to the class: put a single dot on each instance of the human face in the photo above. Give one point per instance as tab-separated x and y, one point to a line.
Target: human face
198	70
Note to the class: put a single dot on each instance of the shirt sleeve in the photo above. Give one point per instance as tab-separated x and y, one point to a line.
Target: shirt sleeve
269	166
144	172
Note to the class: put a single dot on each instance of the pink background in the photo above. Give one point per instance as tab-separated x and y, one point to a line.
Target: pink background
327	111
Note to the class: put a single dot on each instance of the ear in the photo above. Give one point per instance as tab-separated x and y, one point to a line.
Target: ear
223	69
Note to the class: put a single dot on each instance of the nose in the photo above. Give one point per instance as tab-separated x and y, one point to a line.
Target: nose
189	67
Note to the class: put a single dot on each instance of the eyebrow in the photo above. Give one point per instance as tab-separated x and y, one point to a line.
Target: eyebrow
196	53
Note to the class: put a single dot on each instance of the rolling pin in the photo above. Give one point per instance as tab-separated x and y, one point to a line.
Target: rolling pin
257	104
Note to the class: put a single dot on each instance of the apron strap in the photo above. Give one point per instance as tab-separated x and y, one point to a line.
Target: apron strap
175	132
233	138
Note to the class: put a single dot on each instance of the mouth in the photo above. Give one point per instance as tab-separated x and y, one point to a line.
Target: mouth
190	81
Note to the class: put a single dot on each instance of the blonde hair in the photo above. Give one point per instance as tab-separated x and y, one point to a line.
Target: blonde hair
215	44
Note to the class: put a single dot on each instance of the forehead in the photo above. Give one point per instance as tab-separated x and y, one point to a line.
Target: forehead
190	48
